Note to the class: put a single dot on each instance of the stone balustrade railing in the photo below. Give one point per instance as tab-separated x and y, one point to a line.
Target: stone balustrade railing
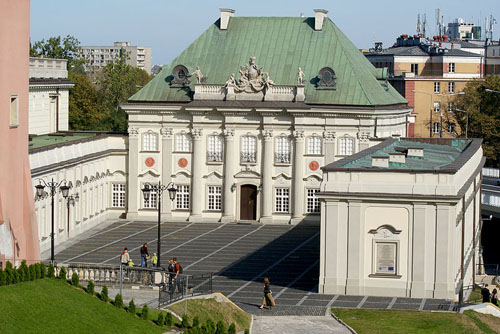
492	199
273	93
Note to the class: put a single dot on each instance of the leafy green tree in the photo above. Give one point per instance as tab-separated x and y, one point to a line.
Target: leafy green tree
84	104
61	48
131	307
483	108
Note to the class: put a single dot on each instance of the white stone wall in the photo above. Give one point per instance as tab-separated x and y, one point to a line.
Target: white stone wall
425	210
331	125
99	163
44	116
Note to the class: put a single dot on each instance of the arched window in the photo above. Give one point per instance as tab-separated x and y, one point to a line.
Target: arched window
183	142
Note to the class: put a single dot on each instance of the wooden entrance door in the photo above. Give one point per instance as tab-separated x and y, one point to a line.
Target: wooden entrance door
248	202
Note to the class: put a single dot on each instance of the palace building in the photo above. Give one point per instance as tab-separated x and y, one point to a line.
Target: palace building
244	117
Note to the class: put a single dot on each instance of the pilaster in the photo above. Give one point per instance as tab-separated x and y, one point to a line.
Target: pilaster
267	177
197	191
228	195
298	177
166	163
445	256
355	251
133	170
329	138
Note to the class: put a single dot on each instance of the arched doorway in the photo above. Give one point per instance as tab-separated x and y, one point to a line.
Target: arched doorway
248	202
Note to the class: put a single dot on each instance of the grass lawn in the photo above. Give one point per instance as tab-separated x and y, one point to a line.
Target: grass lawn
210	308
53	306
365	321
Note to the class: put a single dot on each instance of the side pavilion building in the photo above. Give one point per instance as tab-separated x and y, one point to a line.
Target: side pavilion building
244	117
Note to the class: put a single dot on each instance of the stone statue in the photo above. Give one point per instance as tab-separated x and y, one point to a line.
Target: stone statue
230	82
300	77
197	73
252	79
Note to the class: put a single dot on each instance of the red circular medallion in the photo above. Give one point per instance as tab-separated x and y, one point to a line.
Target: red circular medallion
150	162
313	165
182	162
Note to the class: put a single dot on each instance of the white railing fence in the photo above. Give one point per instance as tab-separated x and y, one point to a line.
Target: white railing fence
491	172
491	199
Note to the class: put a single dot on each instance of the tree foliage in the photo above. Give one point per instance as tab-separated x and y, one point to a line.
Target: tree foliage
61	48
483	108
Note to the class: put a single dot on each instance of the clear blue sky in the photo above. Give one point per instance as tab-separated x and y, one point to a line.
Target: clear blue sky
170	26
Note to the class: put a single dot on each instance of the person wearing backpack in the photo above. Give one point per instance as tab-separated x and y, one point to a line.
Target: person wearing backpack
177	270
125	257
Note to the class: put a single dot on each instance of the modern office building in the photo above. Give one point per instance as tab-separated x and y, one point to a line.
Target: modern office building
98	57
242	130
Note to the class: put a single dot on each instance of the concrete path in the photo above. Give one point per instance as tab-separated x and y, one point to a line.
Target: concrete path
298	325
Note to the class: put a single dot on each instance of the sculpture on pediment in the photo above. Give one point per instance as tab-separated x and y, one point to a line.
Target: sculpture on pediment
300	77
198	75
231	82
252	79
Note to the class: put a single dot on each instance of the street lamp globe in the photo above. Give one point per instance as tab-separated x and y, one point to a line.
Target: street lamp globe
39	190
77	197
172	192
146	192
64	190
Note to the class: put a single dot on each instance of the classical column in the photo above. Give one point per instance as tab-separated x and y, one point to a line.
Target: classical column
197	191
329	137
355	249
267	177
229	157
166	172
446	259
298	177
133	172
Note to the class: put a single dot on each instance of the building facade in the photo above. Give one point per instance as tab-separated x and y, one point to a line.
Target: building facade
18	231
493	59
429	76
402	219
48	96
97	57
249	147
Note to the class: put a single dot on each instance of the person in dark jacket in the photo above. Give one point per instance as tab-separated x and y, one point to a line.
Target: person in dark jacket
494	297
485	292
144	255
268	295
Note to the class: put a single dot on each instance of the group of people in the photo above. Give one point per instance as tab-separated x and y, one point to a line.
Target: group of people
489	297
126	260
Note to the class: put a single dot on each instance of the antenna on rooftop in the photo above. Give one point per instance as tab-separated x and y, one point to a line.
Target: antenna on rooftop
424	24
419	28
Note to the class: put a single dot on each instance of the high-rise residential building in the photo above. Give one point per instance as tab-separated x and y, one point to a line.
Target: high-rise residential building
429	73
18	230
98	57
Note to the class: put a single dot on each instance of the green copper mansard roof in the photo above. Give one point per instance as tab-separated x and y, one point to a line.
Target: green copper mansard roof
280	45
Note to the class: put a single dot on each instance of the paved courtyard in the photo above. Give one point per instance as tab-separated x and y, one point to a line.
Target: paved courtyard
240	256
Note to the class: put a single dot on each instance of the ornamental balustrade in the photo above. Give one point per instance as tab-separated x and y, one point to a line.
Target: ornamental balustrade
249	157
214	156
282	158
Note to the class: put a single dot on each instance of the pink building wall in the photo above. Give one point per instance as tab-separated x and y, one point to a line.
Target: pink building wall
18	228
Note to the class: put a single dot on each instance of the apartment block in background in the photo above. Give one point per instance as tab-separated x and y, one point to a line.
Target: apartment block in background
429	73
98	57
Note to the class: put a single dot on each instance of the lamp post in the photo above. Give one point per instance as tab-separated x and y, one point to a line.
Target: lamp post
441	113
71	200
159	189
53	186
430	108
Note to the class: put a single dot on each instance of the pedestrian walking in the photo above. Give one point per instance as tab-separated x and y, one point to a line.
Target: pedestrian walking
154	260
178	271
144	255
170	270
485	292
125	257
494	297
268	295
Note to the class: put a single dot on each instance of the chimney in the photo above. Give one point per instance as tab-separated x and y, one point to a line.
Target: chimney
319	18
225	14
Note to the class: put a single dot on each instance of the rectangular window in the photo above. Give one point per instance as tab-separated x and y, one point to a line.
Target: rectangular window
435	127
437	87
149	142
214	153
249	149
182	198
346	146
151	202
14	111
451	87
214	198
182	142
314	145
312	201
451	67
414	68
437	107
282	199
118	195
450	107
451	128
386	256
282	150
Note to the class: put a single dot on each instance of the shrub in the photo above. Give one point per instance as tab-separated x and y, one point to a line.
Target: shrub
118	300
75	279
12	277
196	322
32	272
23	272
43	270
210	326
62	273
161	320
3	281
38	274
51	271
185	321
90	288
221	328
144	312
168	319
231	329
247	331
131	307
194	330
104	293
